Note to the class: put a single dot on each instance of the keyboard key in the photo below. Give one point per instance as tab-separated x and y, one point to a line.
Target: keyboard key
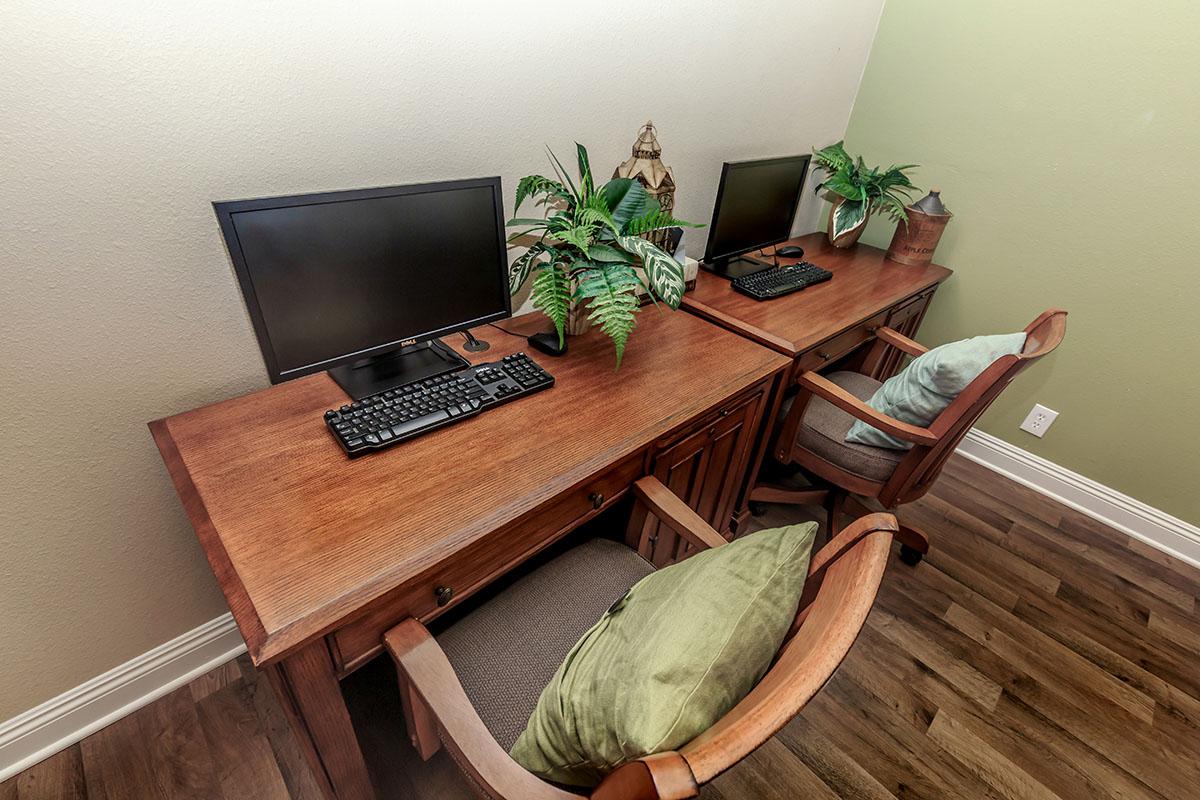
420	422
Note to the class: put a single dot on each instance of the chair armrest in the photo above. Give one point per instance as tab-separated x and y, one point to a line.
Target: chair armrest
428	673
900	341
676	514
835	549
822	387
662	776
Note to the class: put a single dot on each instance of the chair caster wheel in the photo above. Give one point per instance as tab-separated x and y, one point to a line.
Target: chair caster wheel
910	555
756	509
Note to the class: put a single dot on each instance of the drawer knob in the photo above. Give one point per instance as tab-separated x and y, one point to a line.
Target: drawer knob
724	412
597	499
824	356
443	595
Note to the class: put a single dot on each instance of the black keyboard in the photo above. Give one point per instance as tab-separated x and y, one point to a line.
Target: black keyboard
778	281
412	409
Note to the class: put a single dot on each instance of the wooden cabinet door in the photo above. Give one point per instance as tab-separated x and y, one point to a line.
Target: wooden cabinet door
705	468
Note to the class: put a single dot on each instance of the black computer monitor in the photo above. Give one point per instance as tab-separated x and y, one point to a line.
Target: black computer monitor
362	282
756	204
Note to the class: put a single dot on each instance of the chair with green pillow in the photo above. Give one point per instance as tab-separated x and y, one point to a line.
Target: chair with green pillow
855	437
598	676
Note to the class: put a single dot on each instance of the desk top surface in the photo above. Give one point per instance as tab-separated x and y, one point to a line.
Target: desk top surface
299	536
864	282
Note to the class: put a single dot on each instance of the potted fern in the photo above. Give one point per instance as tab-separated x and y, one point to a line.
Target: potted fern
589	244
856	191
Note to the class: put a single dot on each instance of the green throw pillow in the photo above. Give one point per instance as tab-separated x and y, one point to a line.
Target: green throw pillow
669	659
930	383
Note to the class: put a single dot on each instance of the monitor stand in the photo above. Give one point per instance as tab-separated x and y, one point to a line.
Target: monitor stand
413	363
736	267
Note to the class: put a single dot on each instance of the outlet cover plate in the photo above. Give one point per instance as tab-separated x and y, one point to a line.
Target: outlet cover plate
1039	420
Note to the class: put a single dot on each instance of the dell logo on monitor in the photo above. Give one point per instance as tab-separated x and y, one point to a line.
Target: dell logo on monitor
407	342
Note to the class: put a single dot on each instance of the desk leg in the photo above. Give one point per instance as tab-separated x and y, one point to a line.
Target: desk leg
308	690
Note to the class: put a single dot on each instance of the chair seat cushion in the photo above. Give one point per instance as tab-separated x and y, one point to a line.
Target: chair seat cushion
667	661
824	426
927	386
507	650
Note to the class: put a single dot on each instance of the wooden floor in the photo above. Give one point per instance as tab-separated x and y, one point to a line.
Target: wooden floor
1034	654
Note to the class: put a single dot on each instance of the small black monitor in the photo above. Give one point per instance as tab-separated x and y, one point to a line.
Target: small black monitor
342	281
756	204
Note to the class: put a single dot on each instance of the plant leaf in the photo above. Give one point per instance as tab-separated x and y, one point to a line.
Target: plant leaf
512	237
538	221
586	186
532	185
626	199
833	158
664	274
552	295
594	211
612	288
656	219
848	215
521	267
605	252
563	175
845	186
579	236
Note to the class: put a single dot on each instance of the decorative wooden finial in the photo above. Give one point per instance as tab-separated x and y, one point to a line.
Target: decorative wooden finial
647	145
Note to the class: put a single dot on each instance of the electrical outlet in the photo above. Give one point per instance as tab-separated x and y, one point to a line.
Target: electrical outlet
1039	420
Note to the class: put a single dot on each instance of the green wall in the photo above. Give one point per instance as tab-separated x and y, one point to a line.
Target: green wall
1065	137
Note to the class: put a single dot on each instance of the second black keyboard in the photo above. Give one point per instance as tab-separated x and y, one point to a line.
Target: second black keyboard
778	281
412	409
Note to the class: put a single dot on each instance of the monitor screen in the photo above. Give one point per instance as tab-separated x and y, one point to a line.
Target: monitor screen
332	278
756	203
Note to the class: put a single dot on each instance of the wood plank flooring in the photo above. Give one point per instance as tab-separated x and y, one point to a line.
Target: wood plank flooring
1034	654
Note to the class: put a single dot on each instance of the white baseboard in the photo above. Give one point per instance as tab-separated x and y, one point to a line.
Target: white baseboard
1156	528
60	722
64	720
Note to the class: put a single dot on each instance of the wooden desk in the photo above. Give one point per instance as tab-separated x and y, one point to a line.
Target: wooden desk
318	555
823	323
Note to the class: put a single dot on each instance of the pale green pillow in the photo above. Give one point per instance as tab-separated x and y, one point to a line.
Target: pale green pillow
930	383
669	659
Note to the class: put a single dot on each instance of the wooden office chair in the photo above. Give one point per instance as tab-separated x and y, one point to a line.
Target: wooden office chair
475	685
812	435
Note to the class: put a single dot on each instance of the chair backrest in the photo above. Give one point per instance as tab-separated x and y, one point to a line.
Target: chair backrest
917	471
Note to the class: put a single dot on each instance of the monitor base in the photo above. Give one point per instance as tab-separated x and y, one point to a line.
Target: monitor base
413	363
735	267
474	345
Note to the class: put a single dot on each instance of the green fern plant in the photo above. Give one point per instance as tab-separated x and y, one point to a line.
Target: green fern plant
862	190
587	249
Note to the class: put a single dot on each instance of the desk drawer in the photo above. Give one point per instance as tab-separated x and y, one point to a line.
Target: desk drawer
483	561
910	308
835	347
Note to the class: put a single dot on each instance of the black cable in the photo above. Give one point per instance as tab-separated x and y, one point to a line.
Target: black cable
502	330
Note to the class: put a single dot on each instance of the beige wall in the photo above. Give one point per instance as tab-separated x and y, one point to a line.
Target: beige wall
122	121
1066	138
